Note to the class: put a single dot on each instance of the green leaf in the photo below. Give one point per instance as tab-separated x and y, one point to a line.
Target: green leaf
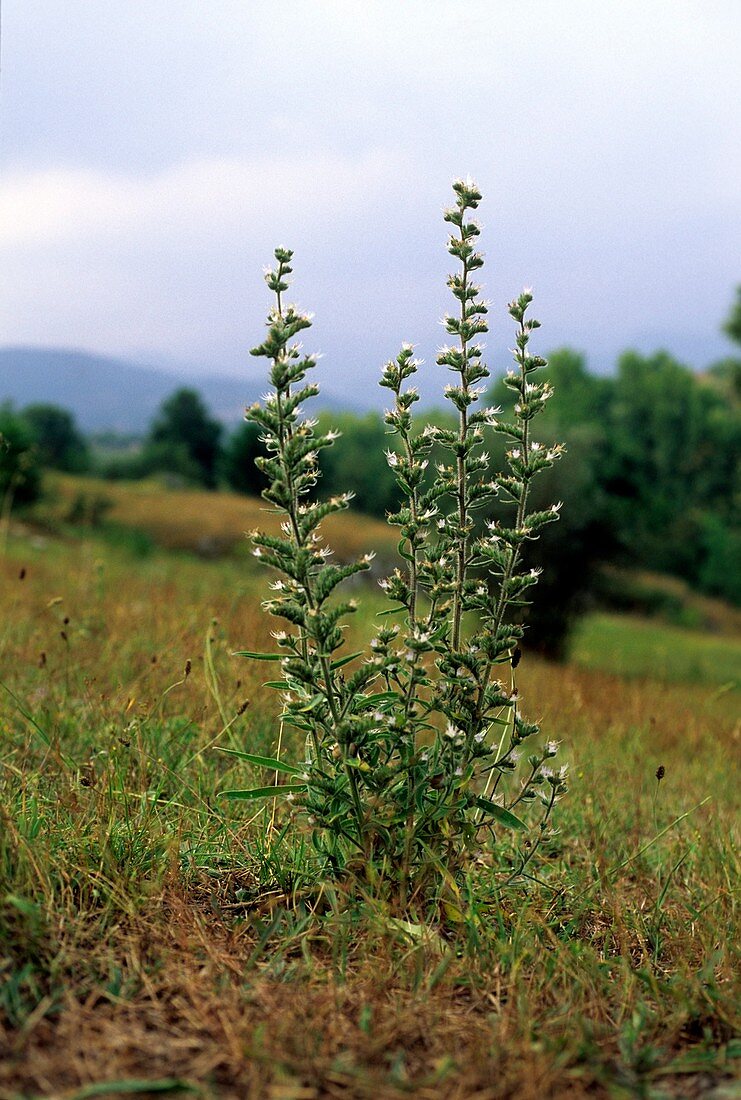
23	905
504	817
379	697
402	552
264	761
346	660
264	792
131	1085
258	656
315	701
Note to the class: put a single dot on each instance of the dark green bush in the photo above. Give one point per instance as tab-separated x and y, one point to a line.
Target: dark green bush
20	471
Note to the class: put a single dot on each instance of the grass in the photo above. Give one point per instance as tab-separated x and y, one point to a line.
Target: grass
209	525
154	938
634	647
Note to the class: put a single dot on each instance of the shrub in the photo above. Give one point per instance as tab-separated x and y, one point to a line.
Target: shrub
356	462
413	751
720	575
58	440
20	474
238	467
184	439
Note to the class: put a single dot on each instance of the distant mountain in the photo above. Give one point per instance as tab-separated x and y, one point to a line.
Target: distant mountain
105	393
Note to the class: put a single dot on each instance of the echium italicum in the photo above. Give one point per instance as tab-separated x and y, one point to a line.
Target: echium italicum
414	752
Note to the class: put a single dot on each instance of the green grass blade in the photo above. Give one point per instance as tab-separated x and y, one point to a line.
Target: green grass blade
130	1085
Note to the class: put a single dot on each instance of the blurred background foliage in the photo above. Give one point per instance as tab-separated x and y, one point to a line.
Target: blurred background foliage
650	481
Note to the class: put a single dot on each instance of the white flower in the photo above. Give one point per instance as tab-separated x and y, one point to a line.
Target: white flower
551	748
392	458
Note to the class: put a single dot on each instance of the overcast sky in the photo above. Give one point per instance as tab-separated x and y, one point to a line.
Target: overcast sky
154	152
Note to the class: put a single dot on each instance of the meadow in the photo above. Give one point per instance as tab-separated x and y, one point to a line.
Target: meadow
155	938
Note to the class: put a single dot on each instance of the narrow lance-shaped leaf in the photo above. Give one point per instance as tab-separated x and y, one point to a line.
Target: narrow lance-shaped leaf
264	792
504	817
270	762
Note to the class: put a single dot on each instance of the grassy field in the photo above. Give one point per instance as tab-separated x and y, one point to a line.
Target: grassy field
154	938
631	646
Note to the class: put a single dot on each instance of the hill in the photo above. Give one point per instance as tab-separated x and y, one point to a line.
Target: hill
106	393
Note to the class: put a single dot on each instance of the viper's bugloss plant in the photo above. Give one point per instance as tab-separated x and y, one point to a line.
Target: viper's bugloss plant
416	751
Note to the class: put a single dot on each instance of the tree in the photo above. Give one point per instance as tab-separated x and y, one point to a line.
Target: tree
356	462
58	441
238	460
673	442
20	475
732	327
184	439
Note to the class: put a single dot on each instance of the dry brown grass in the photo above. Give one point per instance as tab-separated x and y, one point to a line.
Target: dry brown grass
209	524
198	1017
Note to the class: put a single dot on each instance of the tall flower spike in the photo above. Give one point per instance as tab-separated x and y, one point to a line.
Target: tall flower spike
468	487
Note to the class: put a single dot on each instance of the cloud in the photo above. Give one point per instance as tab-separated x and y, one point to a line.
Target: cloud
203	197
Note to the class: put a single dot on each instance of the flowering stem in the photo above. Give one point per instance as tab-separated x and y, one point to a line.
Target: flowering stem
461	470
